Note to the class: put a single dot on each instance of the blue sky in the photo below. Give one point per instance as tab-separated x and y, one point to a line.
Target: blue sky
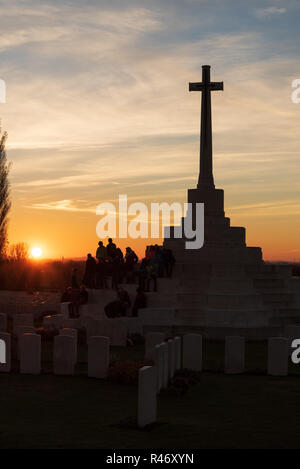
98	104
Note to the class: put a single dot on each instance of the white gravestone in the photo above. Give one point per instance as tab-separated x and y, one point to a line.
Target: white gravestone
3	322
22	320
5	349
119	333
159	363
177	341
152	339
30	354
72	333
172	357
234	354
64	357
98	357
64	309
165	365
278	356
192	352
147	401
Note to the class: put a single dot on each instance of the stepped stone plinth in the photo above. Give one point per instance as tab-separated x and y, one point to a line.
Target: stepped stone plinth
225	286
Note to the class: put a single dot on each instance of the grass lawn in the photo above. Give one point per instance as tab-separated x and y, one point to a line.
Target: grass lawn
221	411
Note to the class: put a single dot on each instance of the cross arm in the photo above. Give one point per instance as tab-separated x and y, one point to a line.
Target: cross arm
200	86
216	86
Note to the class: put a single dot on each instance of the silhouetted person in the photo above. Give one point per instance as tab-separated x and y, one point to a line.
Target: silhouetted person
139	302
74	302
131	260
142	273
101	253
83	295
150	253
74	282
114	309
169	261
151	275
66	295
125	300
158	260
120	256
89	278
115	272
111	248
101	272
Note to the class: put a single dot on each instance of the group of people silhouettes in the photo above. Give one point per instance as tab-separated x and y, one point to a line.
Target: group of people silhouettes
110	268
111	263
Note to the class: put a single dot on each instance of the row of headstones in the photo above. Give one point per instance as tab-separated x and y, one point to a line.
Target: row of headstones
279	349
172	355
168	357
116	329
64	353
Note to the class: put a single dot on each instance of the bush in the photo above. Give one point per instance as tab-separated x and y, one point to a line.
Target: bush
126	372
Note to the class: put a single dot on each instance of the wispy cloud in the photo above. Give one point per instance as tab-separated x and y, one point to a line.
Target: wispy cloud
268	12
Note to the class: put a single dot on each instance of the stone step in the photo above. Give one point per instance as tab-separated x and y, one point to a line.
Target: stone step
269	282
223	301
278	297
284	320
278	305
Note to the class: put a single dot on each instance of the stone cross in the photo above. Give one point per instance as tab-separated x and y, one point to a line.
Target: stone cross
206	179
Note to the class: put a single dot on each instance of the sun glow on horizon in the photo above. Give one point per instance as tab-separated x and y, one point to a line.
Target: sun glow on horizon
36	252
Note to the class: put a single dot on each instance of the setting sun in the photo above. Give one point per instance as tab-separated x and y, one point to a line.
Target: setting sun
36	252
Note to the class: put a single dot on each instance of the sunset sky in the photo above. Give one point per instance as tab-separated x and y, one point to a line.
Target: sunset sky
98	105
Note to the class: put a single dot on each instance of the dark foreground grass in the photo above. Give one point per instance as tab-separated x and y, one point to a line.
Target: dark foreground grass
244	411
221	411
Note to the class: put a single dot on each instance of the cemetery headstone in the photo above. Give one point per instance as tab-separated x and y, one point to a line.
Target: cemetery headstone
98	356
192	352
147	400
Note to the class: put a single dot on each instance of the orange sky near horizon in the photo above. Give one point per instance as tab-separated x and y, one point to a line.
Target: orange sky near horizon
98	105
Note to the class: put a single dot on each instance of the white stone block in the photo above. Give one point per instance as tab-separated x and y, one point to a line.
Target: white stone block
172	357
30	354
64	309
64	358
72	333
278	356
192	352
178	361
119	333
3	322
165	365
22	320
147	400
98	357
5	356
159	364
72	323
152	339
234	354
